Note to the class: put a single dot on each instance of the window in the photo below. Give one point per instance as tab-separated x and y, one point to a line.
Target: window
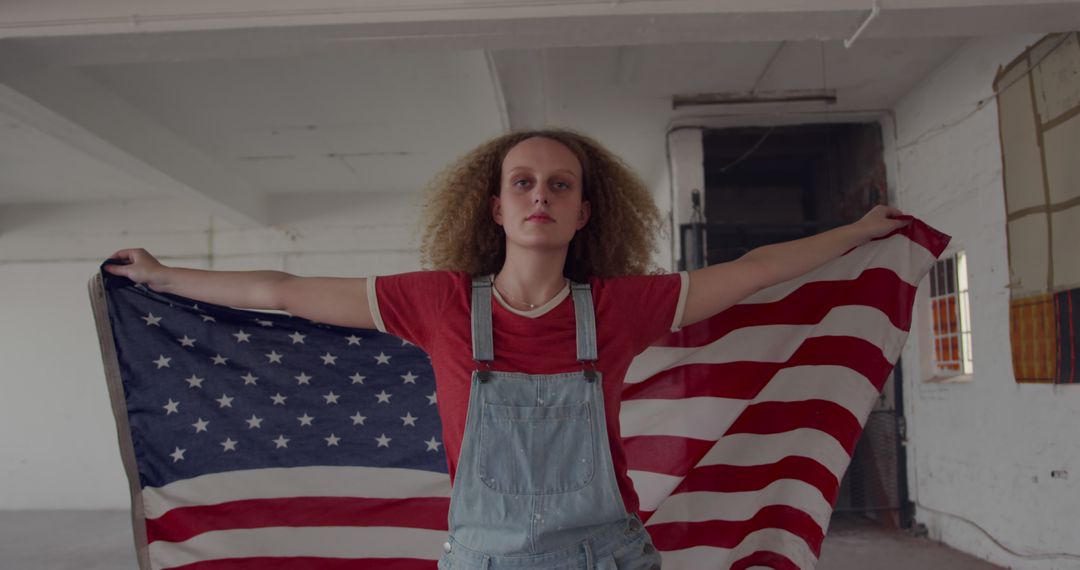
951	316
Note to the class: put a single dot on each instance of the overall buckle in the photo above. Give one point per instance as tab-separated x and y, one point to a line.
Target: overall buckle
589	370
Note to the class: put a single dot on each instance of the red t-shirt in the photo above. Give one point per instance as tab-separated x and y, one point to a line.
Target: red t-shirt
431	309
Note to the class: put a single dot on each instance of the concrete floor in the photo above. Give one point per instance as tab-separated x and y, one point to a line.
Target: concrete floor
101	540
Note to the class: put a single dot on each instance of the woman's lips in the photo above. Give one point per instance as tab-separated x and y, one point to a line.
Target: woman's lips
540	218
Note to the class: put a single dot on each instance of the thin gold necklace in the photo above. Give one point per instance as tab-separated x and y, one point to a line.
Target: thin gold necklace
518	301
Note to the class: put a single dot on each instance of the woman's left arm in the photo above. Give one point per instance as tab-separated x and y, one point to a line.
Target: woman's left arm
717	287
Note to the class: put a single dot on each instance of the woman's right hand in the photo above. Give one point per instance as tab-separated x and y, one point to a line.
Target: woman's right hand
140	267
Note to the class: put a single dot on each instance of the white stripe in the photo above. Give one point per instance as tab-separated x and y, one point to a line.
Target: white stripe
772	343
711	505
895	254
652	488
709	418
764	449
700	418
283	482
336	542
713	558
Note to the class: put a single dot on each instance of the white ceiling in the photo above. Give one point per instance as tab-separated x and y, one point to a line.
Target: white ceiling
228	103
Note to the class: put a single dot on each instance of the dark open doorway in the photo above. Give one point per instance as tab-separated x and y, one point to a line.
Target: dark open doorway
770	184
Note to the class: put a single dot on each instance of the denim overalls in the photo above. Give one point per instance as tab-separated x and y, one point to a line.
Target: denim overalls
535	486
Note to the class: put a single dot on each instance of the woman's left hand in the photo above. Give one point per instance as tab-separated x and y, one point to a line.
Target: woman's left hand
879	221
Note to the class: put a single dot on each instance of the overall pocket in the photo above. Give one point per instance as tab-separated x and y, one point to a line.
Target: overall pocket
536	449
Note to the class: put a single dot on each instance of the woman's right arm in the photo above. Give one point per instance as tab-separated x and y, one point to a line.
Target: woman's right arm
338	301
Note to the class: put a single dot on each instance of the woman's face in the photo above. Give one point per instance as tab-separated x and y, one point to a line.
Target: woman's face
539	203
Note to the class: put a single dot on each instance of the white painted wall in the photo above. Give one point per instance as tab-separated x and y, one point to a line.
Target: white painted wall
980	451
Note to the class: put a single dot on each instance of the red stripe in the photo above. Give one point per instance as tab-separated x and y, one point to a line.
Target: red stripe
809	304
182	523
665	454
745	379
918	232
704	380
741	478
773	560
728	534
309	563
780	417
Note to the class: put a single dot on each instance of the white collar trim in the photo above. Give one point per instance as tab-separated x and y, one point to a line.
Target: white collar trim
532	313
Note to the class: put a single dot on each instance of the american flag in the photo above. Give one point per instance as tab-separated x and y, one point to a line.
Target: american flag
262	440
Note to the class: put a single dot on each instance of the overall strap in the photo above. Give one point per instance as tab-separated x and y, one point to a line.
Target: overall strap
482	345
586	323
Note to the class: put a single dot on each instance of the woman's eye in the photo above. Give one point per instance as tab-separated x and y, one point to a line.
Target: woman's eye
521	181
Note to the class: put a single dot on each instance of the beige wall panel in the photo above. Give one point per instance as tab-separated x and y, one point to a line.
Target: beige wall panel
1028	255
1057	83
1023	168
1063	160
1066	243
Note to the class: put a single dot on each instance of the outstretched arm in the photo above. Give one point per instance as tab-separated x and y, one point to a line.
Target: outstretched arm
331	300
715	288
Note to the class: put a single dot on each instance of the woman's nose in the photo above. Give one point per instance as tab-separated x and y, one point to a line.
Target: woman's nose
540	194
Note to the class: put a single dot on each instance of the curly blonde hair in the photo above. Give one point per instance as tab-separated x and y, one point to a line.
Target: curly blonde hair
619	238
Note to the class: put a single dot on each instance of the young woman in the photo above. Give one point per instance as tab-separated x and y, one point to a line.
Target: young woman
558	232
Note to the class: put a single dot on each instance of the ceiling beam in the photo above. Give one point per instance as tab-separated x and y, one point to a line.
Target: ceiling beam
523	77
71	32
67	105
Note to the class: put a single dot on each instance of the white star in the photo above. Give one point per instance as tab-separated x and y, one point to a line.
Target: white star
224	401
383	441
406	343
383	397
328	359
186	341
162	362
265	323
278	399
331	398
208	318
432	445
353	339
171	407
303	378
409	419
254	422
229	444
177	454
280	442
358	419
305	420
274	357
194	381
219	359
410	378
249	378
200	425
151	320
332	440
297	337
382	358
357	378
242	336
431	398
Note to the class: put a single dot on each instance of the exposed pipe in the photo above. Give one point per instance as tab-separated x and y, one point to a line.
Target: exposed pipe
874	11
